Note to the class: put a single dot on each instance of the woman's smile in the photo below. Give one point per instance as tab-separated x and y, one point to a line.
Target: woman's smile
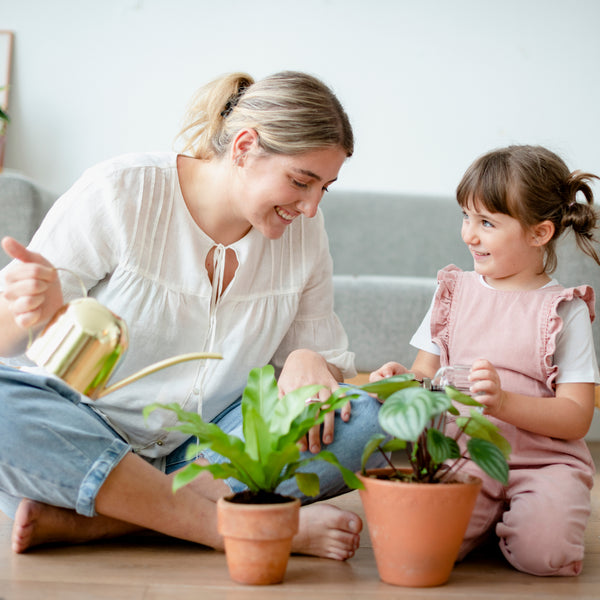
284	214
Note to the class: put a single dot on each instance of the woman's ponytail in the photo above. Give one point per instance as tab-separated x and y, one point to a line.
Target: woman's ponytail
292	113
207	111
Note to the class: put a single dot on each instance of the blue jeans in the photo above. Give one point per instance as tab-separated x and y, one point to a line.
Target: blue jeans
56	450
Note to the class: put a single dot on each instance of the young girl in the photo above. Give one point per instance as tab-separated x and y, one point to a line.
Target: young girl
220	249
529	343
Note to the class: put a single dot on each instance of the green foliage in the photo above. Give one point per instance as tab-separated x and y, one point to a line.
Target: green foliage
415	417
4	118
272	426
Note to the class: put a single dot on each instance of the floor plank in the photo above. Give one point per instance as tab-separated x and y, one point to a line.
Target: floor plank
153	567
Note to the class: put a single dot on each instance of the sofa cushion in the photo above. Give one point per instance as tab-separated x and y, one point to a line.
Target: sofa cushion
23	205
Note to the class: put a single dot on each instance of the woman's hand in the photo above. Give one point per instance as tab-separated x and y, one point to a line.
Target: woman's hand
486	386
306	367
32	292
388	370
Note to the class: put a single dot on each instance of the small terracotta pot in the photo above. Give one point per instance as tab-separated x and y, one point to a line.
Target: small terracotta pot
258	539
417	528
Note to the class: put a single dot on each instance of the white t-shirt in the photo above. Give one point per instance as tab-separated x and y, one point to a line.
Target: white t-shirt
125	229
575	355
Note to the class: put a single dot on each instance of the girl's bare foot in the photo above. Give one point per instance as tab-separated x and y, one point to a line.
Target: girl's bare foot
37	523
328	532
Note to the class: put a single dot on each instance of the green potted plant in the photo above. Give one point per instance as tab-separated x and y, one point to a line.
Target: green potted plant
268	455
417	515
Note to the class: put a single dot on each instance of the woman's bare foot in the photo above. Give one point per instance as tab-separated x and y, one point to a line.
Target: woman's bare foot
325	530
37	523
328	532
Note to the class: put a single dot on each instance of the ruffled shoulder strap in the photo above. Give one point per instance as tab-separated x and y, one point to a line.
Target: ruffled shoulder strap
442	308
555	323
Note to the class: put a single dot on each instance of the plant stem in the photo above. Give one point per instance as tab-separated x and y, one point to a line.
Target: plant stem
388	460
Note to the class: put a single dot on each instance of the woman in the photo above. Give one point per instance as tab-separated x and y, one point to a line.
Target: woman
216	250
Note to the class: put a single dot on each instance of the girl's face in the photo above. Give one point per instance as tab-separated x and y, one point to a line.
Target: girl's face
507	255
275	189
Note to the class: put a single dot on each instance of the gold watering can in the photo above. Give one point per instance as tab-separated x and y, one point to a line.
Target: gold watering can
82	344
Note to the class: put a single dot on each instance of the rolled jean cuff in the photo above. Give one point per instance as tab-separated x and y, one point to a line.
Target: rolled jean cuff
96	476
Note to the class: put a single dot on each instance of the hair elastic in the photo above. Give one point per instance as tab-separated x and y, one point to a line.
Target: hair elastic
232	102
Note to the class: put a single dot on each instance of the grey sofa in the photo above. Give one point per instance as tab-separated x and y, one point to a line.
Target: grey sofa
23	205
386	248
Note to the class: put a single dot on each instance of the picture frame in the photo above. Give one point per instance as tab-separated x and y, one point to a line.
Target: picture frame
6	47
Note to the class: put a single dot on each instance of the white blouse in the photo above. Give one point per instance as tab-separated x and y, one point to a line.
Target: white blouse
125	229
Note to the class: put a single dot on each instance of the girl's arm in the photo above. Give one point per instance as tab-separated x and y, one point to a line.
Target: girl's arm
425	365
566	416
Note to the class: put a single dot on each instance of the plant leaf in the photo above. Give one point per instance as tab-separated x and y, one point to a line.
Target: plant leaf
194	449
489	458
308	483
460	397
441	447
231	447
290	407
350	479
393	445
259	400
386	387
370	447
191	471
406	415
257	438
479	426
261	391
277	466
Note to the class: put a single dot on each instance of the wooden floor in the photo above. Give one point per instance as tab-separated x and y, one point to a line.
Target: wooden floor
151	567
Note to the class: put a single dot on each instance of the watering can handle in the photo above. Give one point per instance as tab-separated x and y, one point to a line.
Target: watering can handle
157	367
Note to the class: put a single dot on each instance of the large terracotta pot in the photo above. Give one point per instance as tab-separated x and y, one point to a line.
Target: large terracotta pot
417	528
258	539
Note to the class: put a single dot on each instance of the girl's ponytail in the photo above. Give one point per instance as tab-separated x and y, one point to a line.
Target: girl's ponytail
581	216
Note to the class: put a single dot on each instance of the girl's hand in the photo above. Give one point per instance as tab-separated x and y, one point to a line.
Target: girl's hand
486	386
306	367
389	369
32	288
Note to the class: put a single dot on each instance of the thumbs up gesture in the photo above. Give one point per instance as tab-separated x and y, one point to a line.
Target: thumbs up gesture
32	288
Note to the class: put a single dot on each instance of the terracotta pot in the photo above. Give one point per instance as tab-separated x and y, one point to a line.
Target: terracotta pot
258	539
417	528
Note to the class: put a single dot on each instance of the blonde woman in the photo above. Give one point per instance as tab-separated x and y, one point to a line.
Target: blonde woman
220	248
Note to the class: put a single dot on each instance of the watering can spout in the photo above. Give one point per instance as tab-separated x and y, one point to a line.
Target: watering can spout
83	343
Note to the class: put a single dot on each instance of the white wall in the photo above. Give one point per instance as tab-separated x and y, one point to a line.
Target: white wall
428	84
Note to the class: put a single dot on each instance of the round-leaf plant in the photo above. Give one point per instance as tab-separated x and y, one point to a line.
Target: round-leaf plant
415	420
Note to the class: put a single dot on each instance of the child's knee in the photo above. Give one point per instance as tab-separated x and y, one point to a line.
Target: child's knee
542	551
542	562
